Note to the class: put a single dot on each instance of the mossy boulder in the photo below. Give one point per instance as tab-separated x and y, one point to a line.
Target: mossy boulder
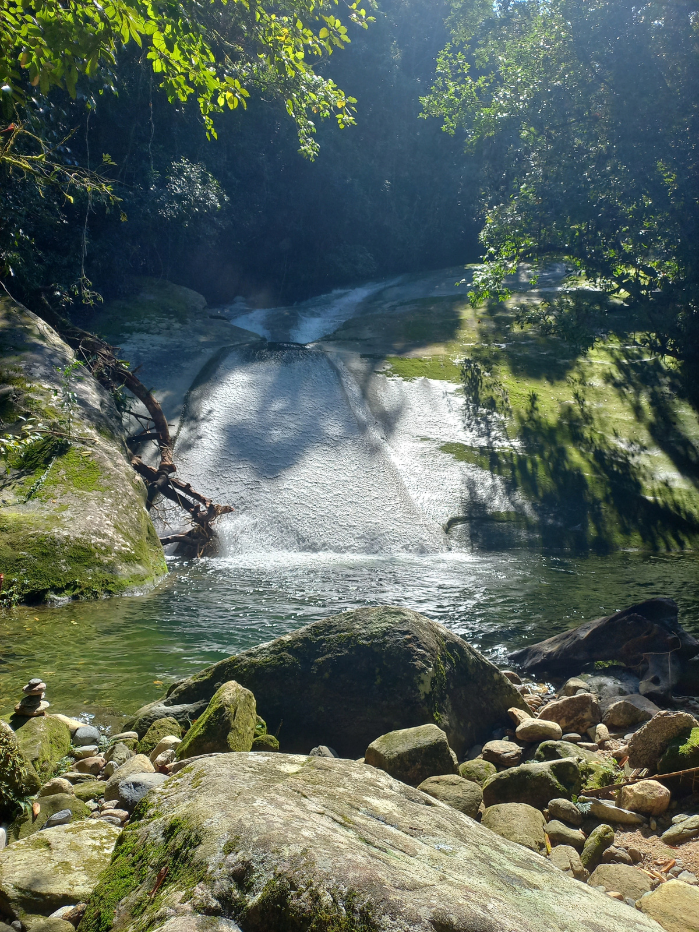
72	515
91	789
25	824
454	791
557	750
291	843
157	731
57	867
228	724
533	784
18	778
412	754
517	822
681	754
265	743
43	740
351	677
479	771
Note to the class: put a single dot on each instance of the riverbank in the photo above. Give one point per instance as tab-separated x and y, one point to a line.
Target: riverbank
488	780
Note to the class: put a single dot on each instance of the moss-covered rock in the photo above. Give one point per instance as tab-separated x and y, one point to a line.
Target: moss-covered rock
44	740
157	731
479	771
18	778
57	867
681	754
72	515
91	789
517	822
351	677
265	743
228	724
412	754
26	824
534	784
333	846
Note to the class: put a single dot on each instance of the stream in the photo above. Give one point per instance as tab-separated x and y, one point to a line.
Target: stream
343	498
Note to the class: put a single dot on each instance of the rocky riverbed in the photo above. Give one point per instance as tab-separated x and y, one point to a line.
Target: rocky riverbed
369	772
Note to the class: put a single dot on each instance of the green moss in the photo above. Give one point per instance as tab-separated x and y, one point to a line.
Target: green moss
227	724
265	743
40	563
681	754
75	469
158	730
286	905
136	865
428	367
596	775
152	302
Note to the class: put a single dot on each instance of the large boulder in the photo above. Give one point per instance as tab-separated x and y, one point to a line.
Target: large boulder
17	776
279	842
54	868
534	784
84	530
43	740
412	754
344	680
628	637
228	724
650	742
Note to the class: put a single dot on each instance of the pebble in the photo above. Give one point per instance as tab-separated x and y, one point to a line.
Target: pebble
3	838
537	729
565	811
93	765
512	677
120	814
86	734
56	785
616	855
635	855
123	735
62	817
90	750
573	737
688	877
110	820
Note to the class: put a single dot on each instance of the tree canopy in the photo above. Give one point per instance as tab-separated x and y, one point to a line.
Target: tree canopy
215	50
587	113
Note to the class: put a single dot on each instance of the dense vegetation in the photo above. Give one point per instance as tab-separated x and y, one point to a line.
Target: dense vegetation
244	213
587	113
572	130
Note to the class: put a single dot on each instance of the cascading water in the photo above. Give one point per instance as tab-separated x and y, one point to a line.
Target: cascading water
276	434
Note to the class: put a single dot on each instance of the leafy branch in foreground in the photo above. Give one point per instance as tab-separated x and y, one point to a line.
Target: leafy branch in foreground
215	51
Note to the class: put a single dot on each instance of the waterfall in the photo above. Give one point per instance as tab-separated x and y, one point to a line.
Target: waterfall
275	434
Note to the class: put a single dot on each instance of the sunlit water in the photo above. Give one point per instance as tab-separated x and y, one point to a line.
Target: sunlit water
119	653
343	496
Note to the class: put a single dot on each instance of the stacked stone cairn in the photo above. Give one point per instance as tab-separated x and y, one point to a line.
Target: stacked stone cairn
33	702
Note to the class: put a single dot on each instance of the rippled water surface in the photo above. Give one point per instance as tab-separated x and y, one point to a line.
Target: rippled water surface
117	654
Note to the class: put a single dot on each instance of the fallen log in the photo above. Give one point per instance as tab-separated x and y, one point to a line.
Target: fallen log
111	372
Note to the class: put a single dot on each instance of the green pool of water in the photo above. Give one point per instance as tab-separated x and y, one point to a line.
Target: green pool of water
107	658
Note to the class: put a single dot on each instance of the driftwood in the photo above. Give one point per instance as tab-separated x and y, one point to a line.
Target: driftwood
657	776
102	361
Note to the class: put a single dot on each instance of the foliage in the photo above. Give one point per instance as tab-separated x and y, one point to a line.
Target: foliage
215	51
587	113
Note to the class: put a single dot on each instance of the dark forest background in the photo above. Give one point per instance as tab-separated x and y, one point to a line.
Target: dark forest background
246	214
